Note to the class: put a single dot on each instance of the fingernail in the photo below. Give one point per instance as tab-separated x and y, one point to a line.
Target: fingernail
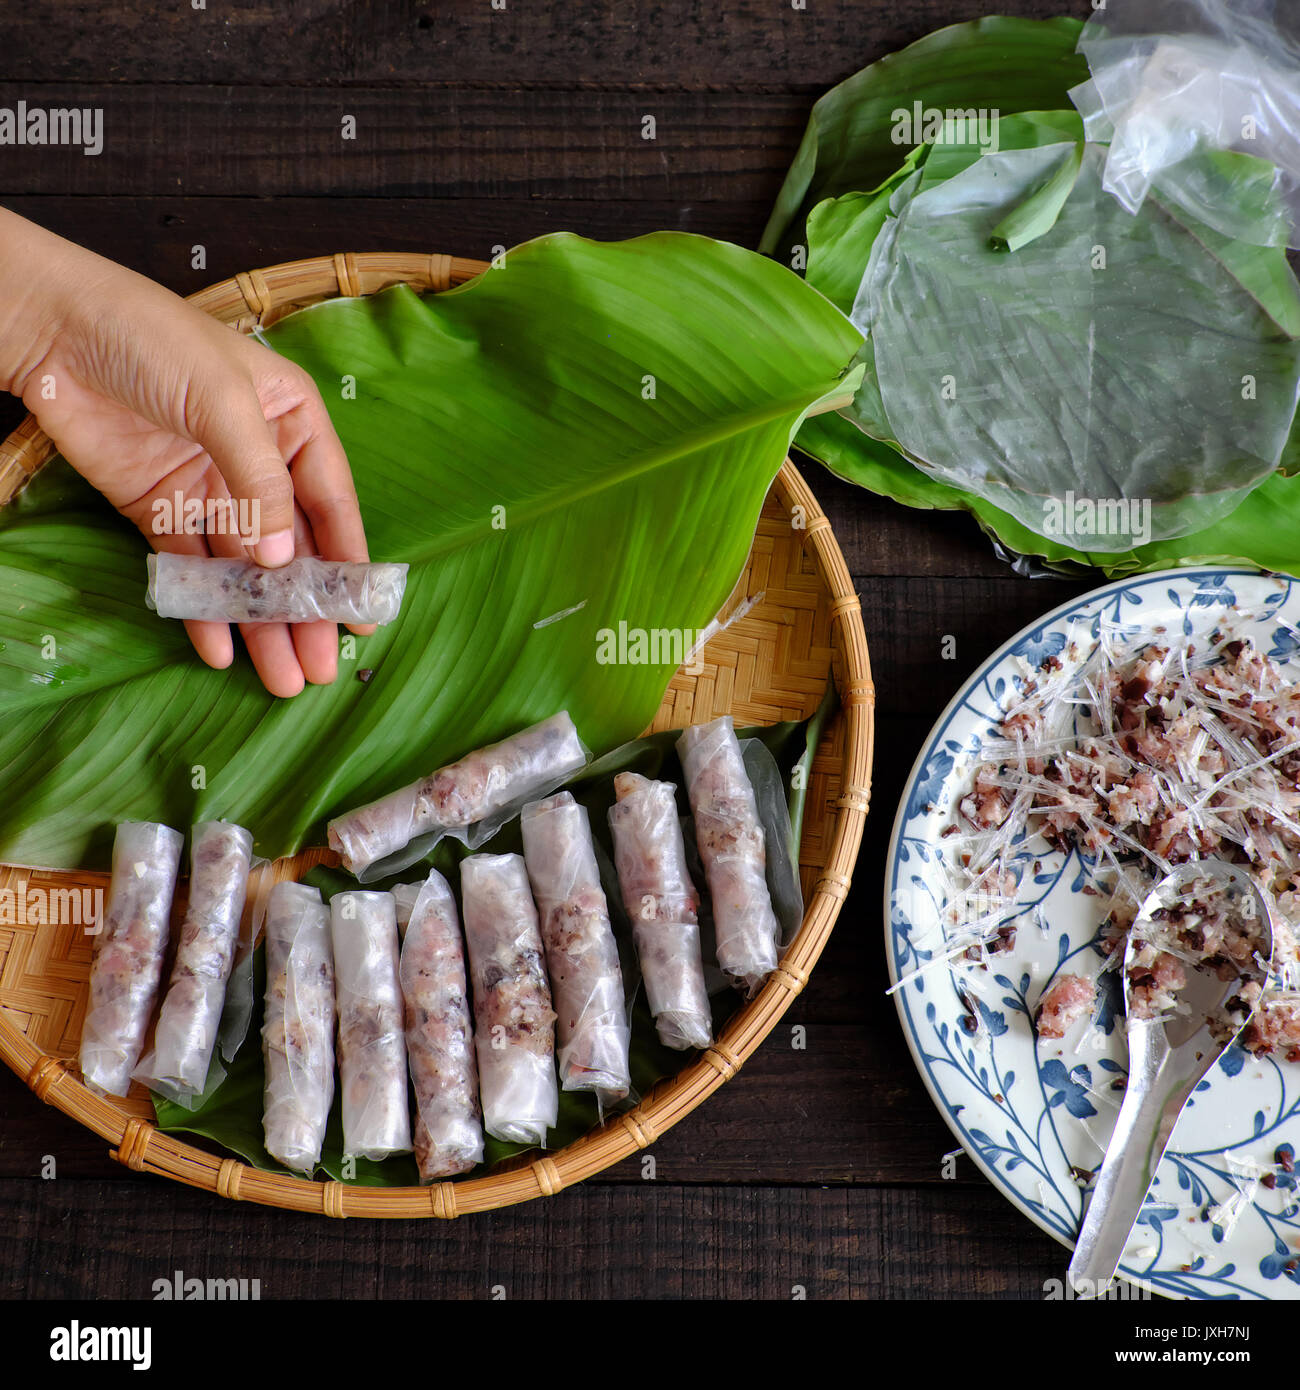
276	549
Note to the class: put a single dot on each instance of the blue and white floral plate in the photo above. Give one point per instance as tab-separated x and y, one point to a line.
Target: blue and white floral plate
1222	1220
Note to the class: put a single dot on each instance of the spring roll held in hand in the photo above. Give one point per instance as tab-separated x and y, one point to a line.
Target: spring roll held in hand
661	902
448	1132
298	1032
514	1028
581	957
372	1038
220	858
305	590
730	838
127	969
486	781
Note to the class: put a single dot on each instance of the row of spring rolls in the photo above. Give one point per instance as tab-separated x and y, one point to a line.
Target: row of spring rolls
506	952
544	964
542	960
126	973
524	918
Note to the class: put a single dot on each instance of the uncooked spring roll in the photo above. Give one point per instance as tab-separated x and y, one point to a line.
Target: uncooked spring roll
731	843
448	1131
127	969
372	1039
305	590
661	902
486	781
581	956
298	1032
514	1032
221	855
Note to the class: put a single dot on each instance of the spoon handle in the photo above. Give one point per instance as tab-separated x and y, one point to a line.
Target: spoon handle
1153	1100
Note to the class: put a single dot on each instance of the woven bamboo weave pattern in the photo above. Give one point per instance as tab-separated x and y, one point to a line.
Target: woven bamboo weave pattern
796	620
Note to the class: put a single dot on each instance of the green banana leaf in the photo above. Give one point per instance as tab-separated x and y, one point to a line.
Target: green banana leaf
995	64
588	431
230	1111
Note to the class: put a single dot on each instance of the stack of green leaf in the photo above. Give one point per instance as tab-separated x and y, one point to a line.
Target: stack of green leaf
1096	388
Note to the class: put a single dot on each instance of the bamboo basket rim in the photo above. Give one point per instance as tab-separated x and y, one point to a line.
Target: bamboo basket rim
254	299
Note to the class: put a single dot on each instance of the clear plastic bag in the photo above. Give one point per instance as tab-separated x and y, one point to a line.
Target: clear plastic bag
1173	82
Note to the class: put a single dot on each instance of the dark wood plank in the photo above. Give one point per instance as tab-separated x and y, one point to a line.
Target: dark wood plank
909	622
829	1103
670	42
83	1239
558	144
158	236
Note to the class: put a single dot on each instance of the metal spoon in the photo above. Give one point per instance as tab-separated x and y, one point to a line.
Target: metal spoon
1168	1057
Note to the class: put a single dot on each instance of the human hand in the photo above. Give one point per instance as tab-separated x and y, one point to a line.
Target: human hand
147	396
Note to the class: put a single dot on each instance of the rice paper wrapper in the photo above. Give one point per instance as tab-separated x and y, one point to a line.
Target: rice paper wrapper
1050	388
514	1025
371	1029
405	897
732	844
581	955
448	1130
186	1036
469	800
298	1028
127	968
661	902
306	590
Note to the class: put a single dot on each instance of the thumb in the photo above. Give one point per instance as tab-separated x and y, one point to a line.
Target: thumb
233	430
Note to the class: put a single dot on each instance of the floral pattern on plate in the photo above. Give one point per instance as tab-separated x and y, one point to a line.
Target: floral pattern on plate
1222	1219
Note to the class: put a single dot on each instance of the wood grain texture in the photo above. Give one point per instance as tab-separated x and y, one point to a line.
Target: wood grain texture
560	144
670	43
162	237
82	1239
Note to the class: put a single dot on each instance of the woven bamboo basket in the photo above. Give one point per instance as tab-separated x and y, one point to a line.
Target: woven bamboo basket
769	665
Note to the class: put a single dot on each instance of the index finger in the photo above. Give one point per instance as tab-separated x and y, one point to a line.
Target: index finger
323	488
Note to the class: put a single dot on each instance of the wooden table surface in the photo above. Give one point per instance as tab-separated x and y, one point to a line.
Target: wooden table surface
479	127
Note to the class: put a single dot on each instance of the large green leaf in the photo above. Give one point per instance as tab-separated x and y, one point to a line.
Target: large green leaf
588	431
995	64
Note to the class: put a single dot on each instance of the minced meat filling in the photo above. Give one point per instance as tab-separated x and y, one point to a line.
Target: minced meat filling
1143	757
